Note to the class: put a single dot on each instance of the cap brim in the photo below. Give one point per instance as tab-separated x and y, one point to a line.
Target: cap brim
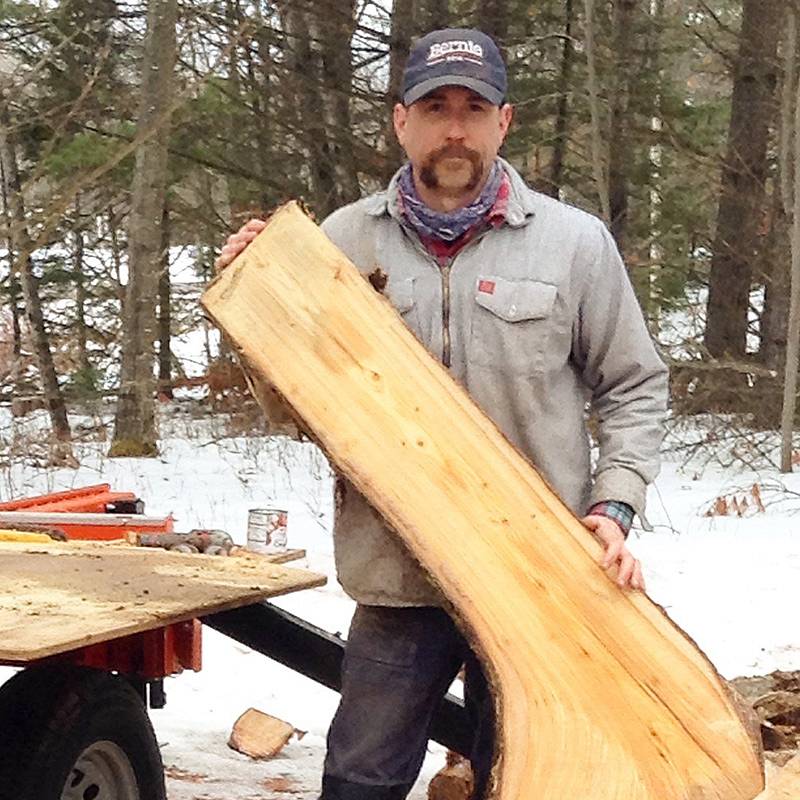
485	90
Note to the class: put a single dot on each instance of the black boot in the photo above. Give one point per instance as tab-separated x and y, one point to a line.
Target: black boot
340	789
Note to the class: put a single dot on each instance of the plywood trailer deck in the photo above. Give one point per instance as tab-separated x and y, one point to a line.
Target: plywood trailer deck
97	626
55	598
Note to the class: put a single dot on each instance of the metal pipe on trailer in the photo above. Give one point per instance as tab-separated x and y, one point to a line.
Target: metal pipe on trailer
318	655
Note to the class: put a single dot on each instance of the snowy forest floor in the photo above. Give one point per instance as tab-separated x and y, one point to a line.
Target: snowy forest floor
722	559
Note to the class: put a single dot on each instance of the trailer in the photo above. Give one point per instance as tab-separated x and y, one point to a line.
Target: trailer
95	626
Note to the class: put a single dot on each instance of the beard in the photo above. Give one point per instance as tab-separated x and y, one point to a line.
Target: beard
452	169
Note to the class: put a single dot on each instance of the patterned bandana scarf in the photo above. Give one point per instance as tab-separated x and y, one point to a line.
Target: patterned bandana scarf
445	226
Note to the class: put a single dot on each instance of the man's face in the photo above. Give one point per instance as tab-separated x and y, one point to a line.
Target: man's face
451	136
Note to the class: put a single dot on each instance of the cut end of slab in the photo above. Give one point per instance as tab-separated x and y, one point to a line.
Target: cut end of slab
783	783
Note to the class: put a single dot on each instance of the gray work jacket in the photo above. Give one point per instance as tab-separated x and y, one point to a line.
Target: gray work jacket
533	318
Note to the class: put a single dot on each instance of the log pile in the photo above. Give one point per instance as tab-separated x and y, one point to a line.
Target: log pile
776	700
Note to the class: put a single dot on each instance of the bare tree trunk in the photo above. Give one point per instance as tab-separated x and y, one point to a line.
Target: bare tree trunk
84	365
620	150
22	244
742	192
261	97
399	45
116	257
493	19
304	67
775	258
432	14
80	305
13	276
134	425
646	278
253	89
793	333
598	141
334	32
776	255
562	113
14	297
786	132
165	310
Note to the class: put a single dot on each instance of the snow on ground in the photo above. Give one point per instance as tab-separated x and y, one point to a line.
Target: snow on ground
732	583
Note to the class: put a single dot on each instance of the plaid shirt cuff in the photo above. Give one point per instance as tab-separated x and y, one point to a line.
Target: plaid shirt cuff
620	512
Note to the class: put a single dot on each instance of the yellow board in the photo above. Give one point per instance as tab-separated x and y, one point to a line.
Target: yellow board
24	536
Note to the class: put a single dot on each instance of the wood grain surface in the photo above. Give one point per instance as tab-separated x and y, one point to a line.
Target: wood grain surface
57	597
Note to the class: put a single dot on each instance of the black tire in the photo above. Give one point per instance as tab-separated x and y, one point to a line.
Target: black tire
51	717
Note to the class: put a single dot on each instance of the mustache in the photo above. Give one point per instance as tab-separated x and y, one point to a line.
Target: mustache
428	172
454	151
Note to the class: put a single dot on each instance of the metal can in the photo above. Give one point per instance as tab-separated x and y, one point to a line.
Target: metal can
266	530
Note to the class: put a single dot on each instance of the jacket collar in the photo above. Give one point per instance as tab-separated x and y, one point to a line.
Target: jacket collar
521	201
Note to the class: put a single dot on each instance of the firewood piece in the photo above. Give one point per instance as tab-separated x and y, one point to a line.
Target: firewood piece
599	695
454	781
259	735
780	706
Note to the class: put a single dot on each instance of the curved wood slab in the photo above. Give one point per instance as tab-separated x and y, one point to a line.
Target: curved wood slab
600	696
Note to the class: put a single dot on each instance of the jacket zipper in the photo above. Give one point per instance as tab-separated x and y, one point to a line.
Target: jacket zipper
444	268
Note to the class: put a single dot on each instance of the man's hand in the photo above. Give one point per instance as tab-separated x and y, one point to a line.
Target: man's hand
238	241
612	538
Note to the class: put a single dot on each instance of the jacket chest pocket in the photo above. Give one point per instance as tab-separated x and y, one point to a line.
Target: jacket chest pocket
511	324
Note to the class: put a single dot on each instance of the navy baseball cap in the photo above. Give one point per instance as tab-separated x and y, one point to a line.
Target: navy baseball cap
455	57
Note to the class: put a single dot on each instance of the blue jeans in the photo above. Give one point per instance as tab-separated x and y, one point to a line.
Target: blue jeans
398	665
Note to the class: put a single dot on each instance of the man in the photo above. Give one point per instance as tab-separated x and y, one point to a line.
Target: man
527	303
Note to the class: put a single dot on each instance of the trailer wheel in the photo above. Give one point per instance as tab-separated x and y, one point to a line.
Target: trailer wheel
71	733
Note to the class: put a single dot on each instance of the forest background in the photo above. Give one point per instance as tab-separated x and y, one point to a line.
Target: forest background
135	136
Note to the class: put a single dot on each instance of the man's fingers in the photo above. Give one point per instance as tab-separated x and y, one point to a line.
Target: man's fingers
627	565
242	237
229	252
591	522
637	581
237	242
612	554
255	225
629	571
226	255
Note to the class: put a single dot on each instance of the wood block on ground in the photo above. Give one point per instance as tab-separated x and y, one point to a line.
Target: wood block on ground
259	735
57	597
453	781
599	695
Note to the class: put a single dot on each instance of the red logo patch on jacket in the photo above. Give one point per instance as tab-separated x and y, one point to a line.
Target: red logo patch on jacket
487	287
